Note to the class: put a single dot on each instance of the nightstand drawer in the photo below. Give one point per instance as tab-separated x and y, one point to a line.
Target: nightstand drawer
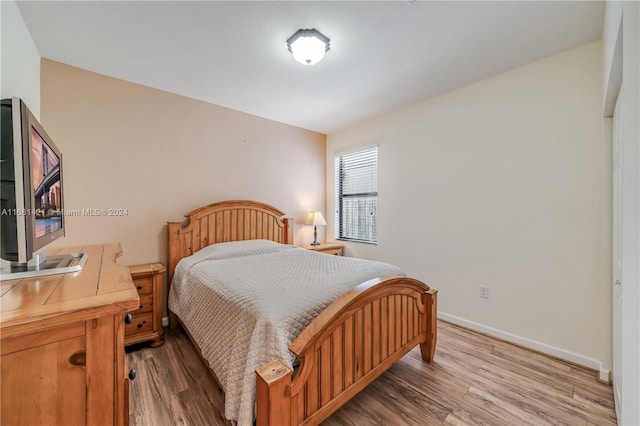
144	285
337	251
141	322
146	304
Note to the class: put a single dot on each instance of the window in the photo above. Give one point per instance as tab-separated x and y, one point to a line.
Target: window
357	196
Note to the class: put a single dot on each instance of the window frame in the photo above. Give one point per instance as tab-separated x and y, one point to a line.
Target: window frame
340	227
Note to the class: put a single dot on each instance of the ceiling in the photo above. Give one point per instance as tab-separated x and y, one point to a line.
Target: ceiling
384	55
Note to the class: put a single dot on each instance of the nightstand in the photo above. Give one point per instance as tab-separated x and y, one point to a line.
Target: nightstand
145	323
328	248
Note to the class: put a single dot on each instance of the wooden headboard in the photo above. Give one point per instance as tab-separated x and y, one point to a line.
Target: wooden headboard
233	220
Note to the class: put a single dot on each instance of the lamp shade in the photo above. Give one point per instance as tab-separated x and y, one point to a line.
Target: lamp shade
315	219
308	46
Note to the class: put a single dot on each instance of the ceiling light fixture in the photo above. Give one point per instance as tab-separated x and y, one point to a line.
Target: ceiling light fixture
308	46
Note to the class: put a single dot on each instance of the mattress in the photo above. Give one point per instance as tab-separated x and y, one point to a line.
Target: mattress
245	302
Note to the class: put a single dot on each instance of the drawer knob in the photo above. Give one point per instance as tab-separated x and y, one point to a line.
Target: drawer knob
140	306
132	374
78	358
140	325
128	318
139	287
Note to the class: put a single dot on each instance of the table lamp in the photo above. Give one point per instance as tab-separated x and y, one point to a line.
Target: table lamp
316	219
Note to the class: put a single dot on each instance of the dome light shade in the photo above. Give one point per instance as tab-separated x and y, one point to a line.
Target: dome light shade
308	46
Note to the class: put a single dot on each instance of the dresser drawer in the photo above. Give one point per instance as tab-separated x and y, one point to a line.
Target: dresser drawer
141	322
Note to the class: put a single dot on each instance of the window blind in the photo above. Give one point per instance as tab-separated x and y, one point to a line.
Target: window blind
356	183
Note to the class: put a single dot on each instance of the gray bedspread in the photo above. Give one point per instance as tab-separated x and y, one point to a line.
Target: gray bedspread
245	302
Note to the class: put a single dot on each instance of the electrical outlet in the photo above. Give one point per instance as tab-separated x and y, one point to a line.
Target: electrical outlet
484	292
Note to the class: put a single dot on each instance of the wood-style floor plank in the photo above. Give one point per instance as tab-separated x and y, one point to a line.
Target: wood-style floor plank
474	380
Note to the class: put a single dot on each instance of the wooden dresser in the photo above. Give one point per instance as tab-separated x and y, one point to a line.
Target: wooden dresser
62	344
146	321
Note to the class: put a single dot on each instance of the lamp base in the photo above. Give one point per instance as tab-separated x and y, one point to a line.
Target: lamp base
315	236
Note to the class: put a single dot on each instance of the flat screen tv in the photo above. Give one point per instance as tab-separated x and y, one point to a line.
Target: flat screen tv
31	193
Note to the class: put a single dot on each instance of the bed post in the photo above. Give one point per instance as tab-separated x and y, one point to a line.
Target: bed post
428	347
288	230
273	394
174	255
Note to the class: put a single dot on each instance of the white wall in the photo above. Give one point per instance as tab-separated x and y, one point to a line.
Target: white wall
20	68
503	183
625	16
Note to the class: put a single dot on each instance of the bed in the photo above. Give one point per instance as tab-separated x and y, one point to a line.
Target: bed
311	352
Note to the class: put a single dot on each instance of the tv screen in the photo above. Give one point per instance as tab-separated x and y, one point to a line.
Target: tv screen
47	191
32	206
32	186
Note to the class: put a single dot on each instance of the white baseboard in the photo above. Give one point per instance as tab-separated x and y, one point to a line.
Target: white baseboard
594	364
165	321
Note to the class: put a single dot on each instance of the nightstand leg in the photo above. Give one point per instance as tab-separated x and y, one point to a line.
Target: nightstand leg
158	342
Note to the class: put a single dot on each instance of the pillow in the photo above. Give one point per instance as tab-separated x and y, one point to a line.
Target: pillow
238	249
228	250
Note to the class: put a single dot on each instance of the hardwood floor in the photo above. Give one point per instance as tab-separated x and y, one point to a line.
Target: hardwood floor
474	380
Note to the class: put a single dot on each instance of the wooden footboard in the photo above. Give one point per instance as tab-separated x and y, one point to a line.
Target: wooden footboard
345	348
